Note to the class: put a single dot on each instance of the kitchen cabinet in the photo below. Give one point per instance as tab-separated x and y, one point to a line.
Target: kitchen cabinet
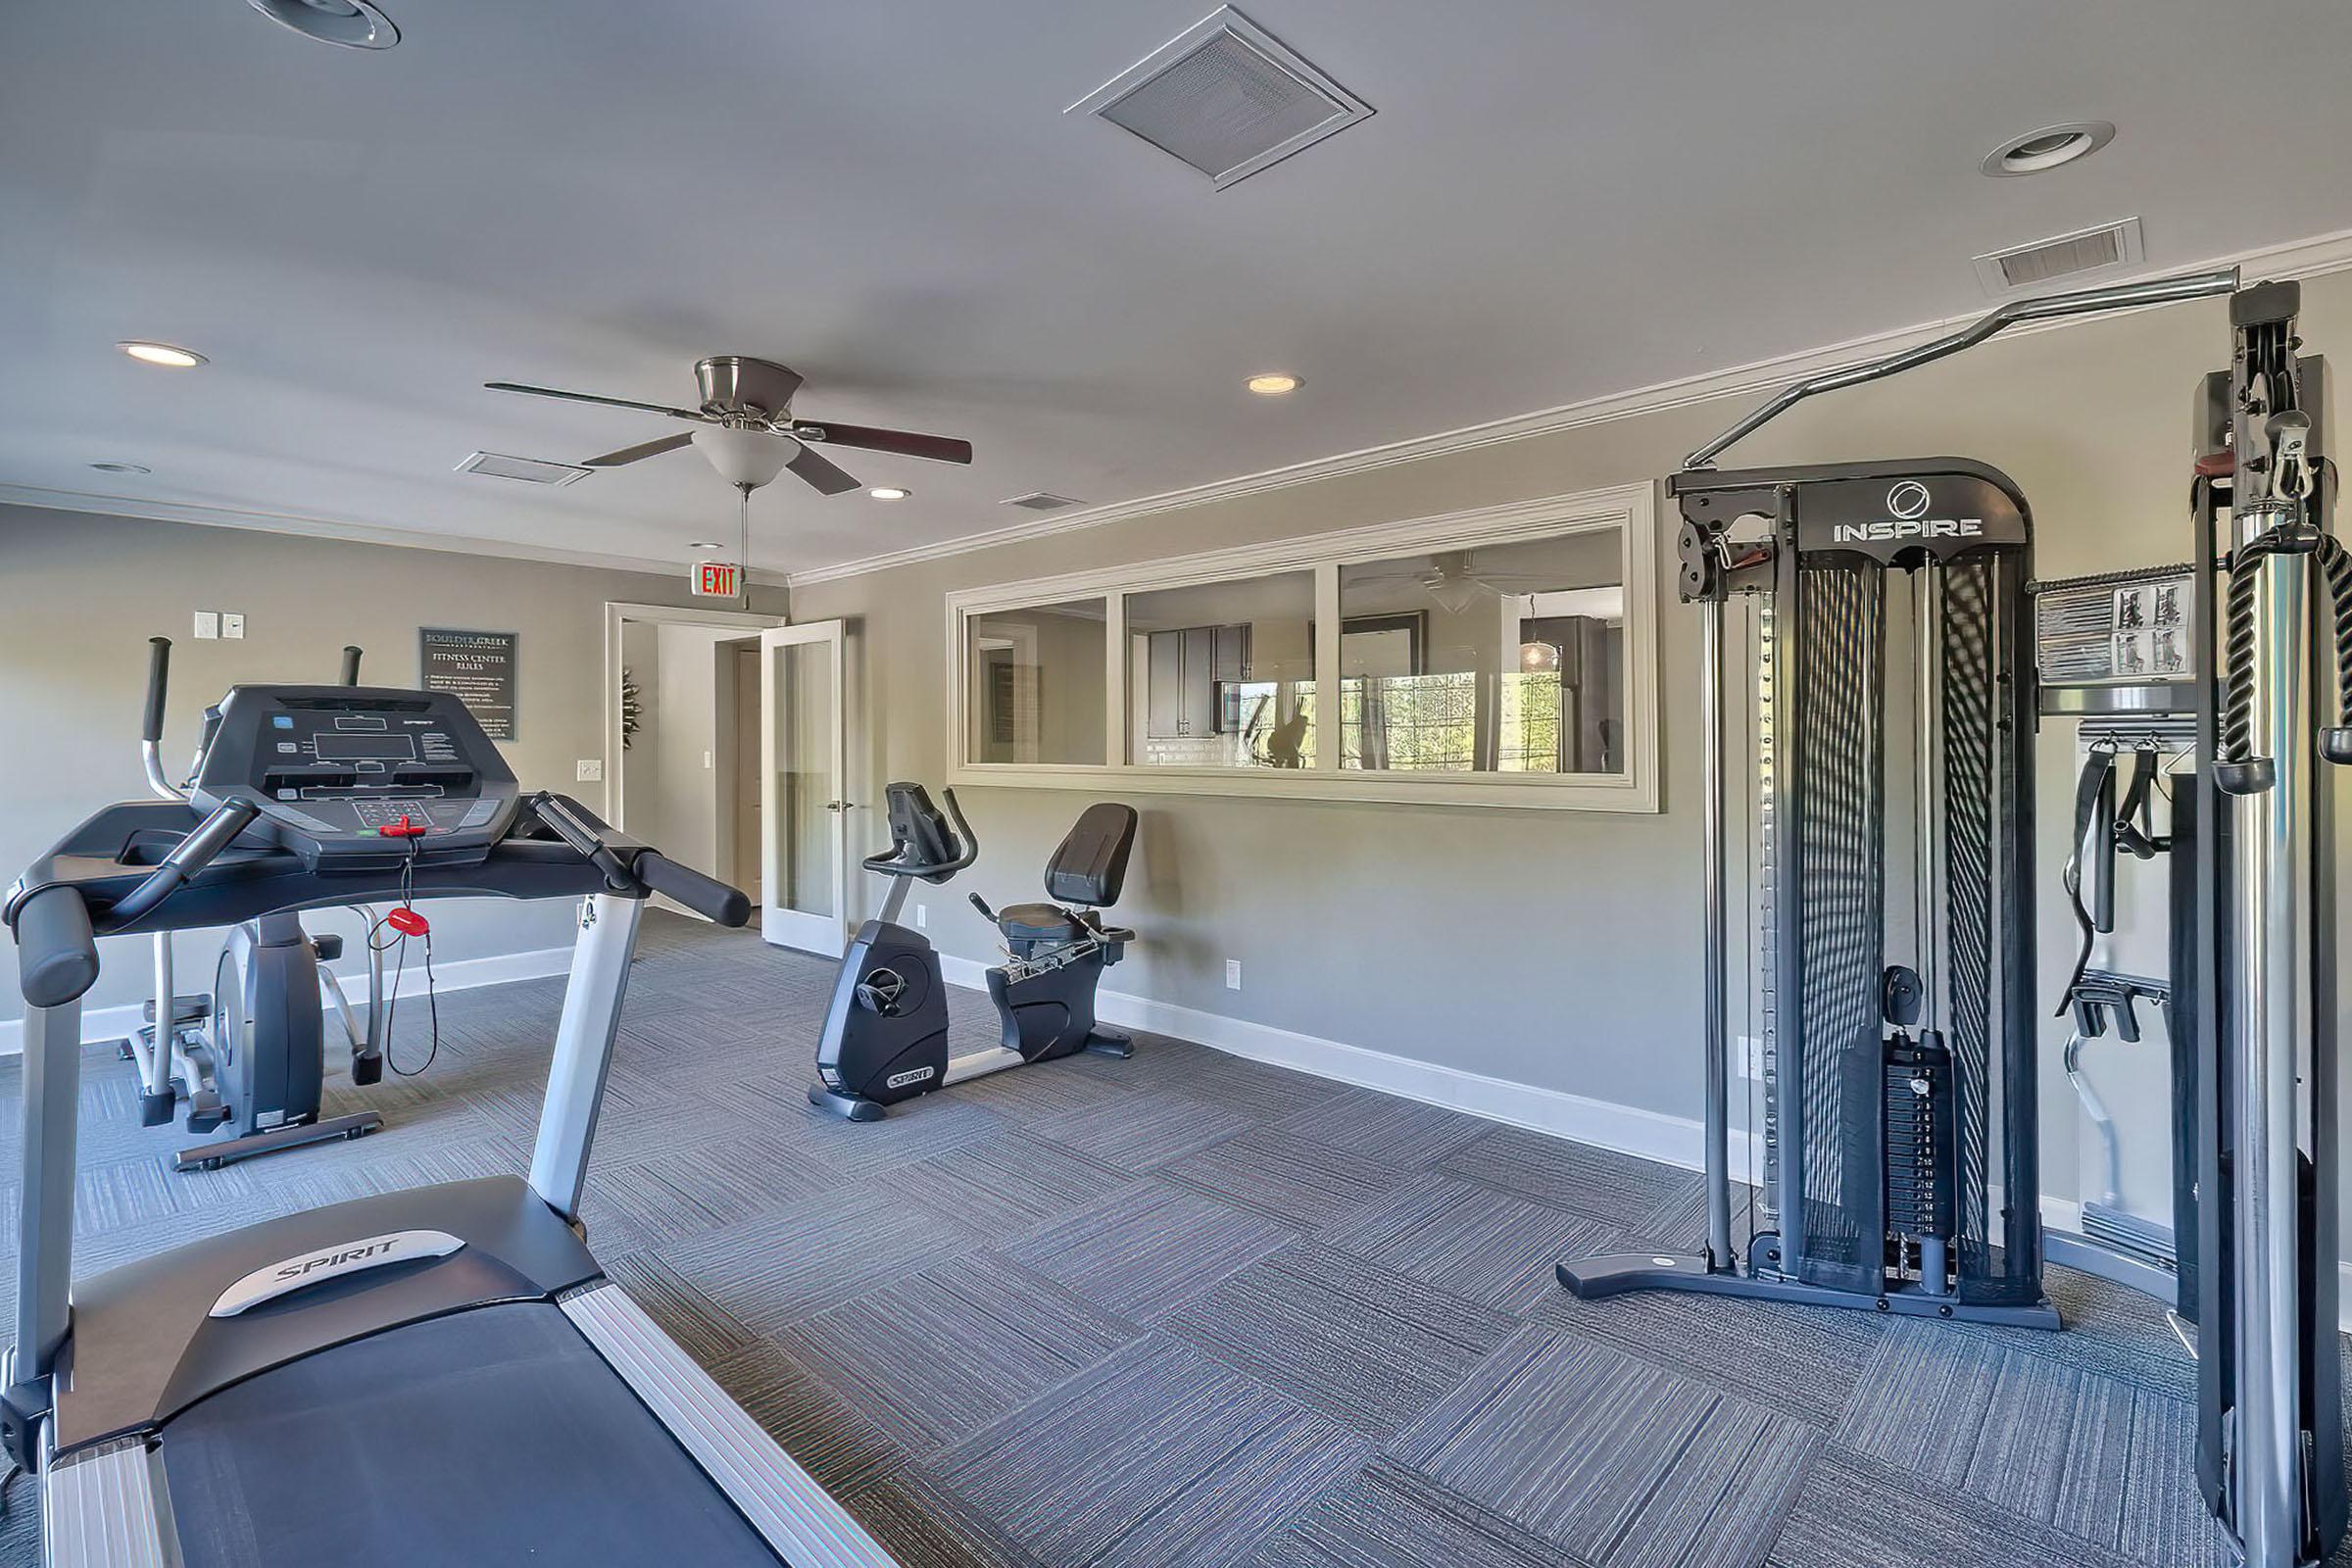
1184	667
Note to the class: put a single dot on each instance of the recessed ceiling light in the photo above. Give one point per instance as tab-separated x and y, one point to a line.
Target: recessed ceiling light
345	24
2048	147
164	354
1273	385
706	544
121	467
889	492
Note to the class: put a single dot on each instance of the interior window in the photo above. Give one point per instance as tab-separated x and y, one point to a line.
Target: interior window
1036	676
1503	659
1222	673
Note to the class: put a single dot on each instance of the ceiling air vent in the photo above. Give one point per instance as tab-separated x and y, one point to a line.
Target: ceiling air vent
530	471
1226	97
1039	500
2046	261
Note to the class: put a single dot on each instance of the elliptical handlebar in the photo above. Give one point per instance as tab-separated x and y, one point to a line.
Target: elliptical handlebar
151	728
351	664
158	675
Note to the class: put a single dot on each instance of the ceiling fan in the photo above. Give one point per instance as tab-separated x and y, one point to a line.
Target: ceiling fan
748	431
1453	579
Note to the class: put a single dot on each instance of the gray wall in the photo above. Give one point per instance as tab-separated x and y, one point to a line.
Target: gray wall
1548	948
80	594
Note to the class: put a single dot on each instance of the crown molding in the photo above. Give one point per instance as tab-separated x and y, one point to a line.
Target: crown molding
2313	257
364	533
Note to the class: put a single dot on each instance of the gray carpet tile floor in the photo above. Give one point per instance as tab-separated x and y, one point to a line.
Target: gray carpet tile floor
1191	1310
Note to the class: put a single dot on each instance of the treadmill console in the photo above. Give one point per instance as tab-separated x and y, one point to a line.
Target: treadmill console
356	777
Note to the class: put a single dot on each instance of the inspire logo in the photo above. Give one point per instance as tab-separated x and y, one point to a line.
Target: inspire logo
1910	502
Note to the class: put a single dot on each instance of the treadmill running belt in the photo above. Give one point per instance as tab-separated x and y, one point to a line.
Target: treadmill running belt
491	1436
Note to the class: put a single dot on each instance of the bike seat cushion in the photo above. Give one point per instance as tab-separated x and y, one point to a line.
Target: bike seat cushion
1090	863
1039	922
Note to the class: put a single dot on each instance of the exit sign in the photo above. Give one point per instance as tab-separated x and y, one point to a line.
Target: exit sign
718	579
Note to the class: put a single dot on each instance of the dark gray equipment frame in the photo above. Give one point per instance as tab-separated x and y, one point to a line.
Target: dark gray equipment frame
1705	573
1877	1211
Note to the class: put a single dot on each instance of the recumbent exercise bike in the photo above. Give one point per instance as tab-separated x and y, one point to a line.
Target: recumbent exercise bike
886	1029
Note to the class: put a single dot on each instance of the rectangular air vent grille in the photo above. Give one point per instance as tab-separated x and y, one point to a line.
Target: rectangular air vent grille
530	471
1225	97
1039	500
2045	260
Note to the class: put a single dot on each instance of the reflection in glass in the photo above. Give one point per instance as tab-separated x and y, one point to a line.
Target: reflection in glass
1221	675
1036	692
805	788
1503	659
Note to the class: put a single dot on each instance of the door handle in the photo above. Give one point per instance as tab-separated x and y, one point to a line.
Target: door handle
840	806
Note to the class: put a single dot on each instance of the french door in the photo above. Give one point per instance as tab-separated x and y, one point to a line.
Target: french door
803	806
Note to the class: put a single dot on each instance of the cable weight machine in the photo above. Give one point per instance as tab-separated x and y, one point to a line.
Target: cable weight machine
2251	997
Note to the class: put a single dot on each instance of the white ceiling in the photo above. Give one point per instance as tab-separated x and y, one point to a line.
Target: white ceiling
1555	201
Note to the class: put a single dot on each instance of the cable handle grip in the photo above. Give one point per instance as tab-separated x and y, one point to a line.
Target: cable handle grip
159	674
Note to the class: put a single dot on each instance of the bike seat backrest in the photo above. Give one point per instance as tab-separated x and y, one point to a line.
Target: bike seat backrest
919	834
1091	862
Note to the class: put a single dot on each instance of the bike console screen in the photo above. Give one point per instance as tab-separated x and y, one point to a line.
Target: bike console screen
355	774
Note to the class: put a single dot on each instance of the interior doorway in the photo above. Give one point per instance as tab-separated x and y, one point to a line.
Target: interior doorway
683	734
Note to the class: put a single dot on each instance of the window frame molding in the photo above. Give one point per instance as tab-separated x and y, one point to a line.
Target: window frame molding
1630	508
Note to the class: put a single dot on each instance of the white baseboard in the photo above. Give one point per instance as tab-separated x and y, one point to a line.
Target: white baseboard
100	1024
1605	1124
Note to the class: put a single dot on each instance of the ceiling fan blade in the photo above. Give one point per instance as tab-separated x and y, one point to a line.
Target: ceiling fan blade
590	397
818	470
643	449
938	447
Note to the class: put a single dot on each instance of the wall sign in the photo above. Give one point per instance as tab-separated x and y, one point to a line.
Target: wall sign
477	669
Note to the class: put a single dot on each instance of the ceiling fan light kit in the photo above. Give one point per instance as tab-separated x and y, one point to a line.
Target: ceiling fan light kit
745	459
748	431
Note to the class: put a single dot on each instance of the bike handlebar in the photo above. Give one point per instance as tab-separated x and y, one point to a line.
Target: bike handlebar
889	863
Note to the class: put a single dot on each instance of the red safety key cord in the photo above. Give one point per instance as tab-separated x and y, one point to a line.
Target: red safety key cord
407	923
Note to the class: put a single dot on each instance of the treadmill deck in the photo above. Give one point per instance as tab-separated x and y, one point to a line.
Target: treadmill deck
496	1436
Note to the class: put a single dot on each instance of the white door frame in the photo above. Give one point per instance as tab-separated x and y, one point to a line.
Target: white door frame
811	933
616	612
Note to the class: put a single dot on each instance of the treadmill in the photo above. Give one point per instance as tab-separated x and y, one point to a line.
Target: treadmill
435	1376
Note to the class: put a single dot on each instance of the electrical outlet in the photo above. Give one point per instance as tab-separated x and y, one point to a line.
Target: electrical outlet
588	770
231	625
1232	975
706	761
207	623
922	916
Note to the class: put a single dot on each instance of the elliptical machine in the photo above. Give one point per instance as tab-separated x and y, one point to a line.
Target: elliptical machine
885	1030
250	1055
